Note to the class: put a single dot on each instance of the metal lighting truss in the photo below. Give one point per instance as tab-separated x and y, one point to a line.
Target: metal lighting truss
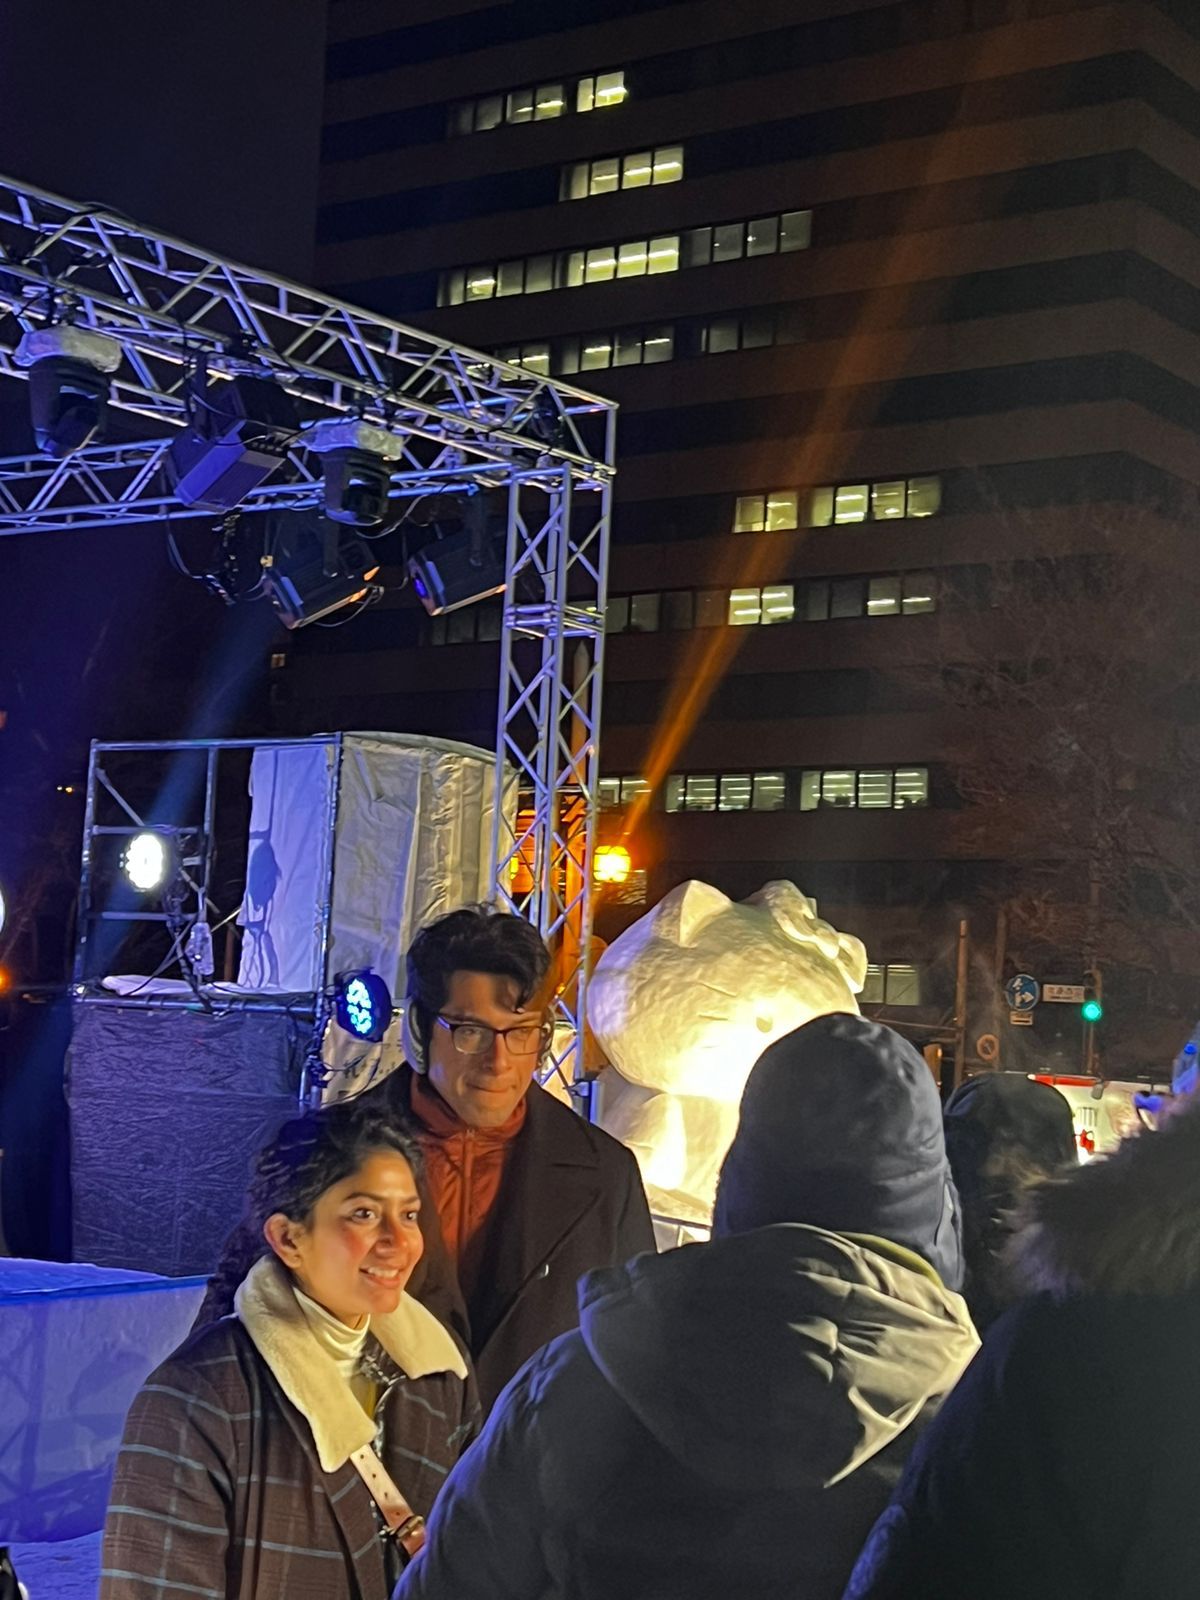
462	419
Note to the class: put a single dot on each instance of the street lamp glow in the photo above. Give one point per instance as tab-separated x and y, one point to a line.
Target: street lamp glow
612	864
145	860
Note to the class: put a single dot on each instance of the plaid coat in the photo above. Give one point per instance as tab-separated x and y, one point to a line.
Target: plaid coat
219	1495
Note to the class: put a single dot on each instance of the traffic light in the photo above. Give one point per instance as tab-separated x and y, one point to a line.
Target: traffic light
1092	1008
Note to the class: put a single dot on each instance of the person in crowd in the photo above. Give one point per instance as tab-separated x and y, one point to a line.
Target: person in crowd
249	1469
730	1417
1062	1467
529	1195
1004	1132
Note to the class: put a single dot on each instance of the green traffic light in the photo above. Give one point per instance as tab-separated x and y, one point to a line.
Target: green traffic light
1092	1011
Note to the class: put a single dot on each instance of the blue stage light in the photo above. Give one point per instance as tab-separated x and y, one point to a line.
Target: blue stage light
363	1004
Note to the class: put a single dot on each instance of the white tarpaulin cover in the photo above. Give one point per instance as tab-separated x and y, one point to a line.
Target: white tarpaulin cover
412	839
76	1344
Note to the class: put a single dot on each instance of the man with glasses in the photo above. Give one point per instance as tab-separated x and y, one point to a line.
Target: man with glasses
529	1196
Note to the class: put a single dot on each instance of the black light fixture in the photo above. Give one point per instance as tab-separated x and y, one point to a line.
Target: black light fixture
465	560
238	432
312	567
69	371
356	459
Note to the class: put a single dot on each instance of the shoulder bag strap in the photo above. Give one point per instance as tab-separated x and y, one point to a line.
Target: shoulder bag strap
404	1526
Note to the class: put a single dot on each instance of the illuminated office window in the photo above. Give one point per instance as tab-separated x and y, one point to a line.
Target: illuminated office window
782	509
745	607
750	513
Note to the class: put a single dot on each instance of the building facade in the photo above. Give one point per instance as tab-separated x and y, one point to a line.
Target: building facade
892	296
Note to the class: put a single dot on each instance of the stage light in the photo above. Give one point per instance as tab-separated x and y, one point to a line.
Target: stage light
3	910
146	860
362	1004
612	864
312	567
238	432
465	561
355	461
69	369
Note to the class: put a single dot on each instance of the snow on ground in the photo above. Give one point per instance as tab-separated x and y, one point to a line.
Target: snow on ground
67	1571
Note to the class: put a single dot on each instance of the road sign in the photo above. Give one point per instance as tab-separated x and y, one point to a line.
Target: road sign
1022	992
1063	994
987	1047
1021	1019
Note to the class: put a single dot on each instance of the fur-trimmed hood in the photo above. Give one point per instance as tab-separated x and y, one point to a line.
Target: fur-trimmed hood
1127	1223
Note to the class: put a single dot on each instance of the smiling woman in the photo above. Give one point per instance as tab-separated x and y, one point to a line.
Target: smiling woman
248	1467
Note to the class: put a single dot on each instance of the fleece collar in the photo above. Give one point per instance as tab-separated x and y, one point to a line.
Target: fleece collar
267	1308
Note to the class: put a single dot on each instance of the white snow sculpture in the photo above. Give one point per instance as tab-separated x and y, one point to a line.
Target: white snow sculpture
683	1004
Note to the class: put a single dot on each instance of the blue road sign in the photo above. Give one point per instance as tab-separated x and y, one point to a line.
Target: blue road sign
1022	992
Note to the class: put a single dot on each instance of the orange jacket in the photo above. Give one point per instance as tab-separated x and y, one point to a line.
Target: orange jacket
464	1168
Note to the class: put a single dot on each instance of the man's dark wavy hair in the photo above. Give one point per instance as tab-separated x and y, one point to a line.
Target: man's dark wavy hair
472	939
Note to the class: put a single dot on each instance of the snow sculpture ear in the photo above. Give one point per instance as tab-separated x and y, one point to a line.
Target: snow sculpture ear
796	917
680	915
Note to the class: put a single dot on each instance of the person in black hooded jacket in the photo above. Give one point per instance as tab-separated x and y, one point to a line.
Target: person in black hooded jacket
1063	1465
730	1417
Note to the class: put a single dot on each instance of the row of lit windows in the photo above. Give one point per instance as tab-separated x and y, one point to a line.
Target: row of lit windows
538	104
898	983
606	174
635	258
834	503
660	341
864	789
817	600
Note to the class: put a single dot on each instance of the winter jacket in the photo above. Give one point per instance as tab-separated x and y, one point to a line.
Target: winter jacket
726	1422
571	1200
225	1489
1062	1467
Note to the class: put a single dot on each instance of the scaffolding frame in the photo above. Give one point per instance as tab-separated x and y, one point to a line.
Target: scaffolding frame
460	419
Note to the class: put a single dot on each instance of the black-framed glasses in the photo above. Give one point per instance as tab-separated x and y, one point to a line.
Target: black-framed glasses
476	1038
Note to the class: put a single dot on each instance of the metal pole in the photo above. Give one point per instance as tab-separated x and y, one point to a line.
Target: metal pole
961	977
84	912
999	956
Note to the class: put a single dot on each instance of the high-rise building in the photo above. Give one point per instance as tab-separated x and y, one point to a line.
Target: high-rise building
900	303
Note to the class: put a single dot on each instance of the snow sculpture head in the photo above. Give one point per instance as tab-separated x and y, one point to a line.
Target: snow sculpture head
683	1004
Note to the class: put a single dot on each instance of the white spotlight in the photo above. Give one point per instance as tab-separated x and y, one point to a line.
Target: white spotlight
145	860
3	910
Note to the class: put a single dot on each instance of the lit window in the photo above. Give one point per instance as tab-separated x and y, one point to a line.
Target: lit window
585	94
673	792
537	358
712	608
664	254
782	509
629	349
637	170
902	985
837	789
720	336
549	101
596	354
875	790
511	278
887	499
539	274
847	598
601	264
608	793
770	791
631	260
700	793
778	603
850	503
795	230
810	790
762	237
481	283
610	89
520	106
912	786
697	247
736	789
658	345
919	593
749	514
820	507
745	607
616	615
571	267
924	496
489	112
643	613
873	987
883	597
668	164
632	788
575	182
728	241
606	176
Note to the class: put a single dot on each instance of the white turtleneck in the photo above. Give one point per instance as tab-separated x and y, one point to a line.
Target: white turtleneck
343	1343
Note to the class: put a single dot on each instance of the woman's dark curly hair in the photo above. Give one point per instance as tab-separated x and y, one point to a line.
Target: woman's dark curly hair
307	1156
